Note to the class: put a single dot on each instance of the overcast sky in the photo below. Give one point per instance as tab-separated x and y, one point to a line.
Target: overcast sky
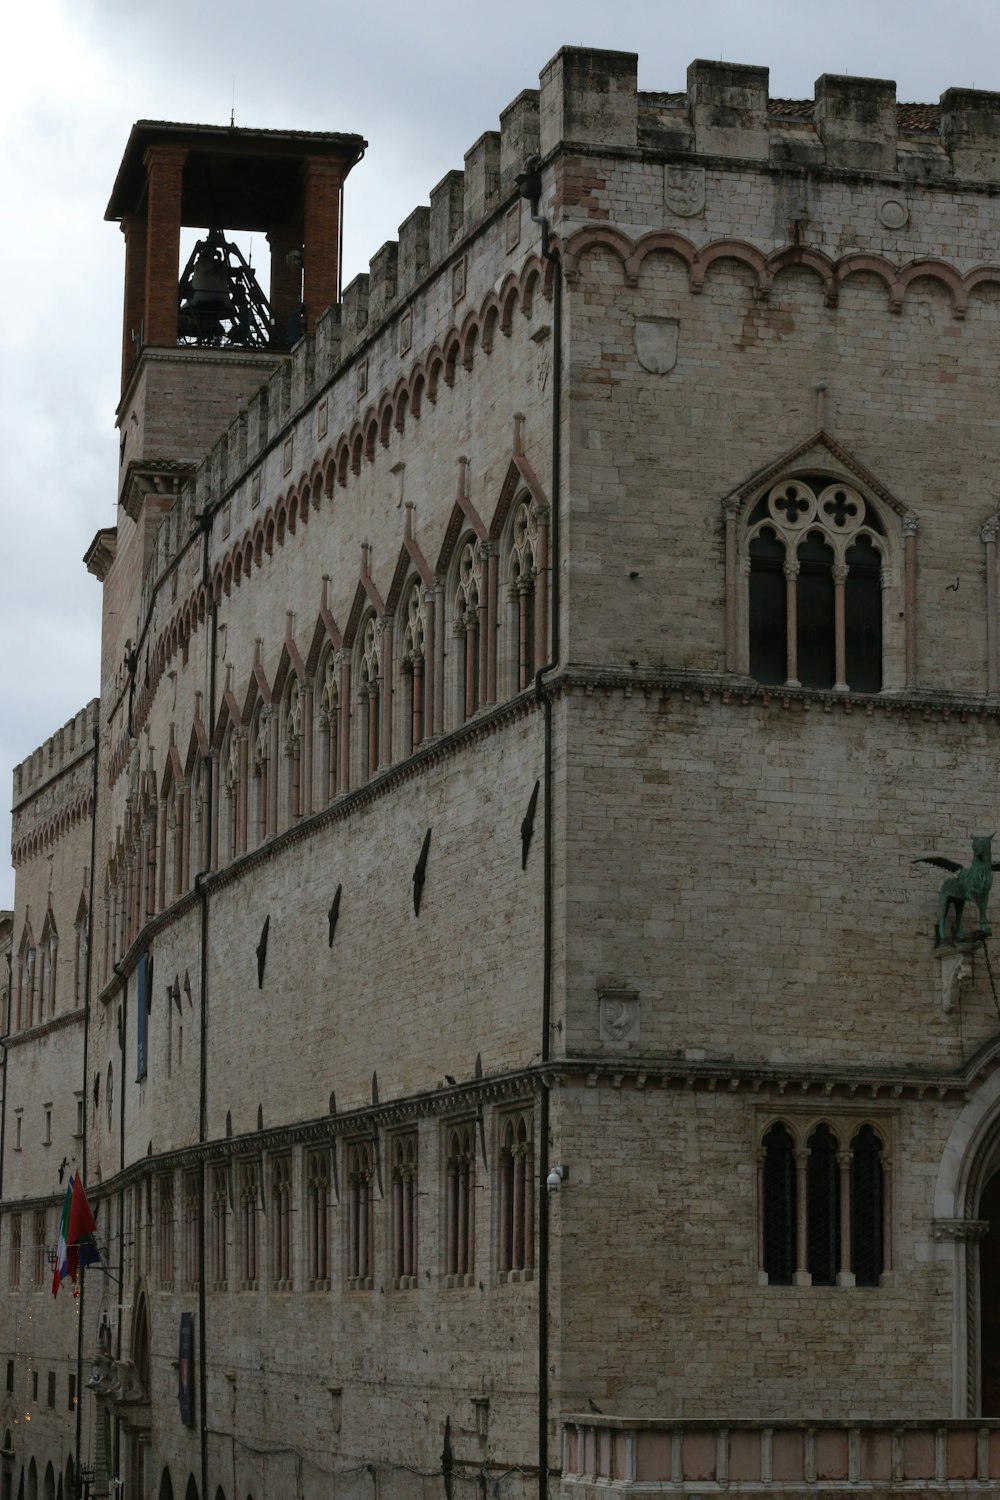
420	82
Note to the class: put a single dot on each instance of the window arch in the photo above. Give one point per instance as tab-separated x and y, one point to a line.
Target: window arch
404	1211
468	599
25	980
360	1217
281	1223
522	574
48	949
517	1196
259	778
369	696
248	1226
822	1204
415	678
230	810
460	1206
328	716
318	1219
816	567
199	793
292	709
80	933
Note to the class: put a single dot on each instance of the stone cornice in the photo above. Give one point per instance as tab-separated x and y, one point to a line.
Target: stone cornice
35	1033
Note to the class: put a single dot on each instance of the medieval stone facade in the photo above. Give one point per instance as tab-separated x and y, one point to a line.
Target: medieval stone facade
511	1036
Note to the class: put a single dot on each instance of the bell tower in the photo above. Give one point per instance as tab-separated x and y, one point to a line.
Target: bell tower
195	343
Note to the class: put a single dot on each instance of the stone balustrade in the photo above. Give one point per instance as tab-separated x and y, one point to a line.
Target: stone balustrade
604	1455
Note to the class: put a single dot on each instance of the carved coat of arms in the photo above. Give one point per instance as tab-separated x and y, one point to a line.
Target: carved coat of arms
656	341
684	190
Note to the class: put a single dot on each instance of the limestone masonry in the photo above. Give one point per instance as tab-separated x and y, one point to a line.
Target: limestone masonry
472	946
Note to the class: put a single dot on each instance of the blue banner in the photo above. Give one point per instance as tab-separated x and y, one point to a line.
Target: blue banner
141	1011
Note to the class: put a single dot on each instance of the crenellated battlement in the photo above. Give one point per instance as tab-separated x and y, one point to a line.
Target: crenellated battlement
588	104
62	749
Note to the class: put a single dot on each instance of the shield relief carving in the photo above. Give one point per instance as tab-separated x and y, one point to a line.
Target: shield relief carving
684	190
656	341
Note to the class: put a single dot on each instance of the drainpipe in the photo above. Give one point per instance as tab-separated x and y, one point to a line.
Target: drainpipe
205	522
530	184
86	1101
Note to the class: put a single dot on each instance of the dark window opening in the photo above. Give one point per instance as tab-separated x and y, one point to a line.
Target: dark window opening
815	638
823	1208
863	617
779	1206
50	1395
768	609
867	1259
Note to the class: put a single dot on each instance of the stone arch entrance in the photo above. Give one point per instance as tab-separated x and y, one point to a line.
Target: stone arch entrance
967	1232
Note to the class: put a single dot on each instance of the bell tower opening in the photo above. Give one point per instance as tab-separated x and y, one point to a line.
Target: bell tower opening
197	340
989	1299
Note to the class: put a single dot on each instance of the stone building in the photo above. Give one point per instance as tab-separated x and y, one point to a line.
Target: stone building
513	1051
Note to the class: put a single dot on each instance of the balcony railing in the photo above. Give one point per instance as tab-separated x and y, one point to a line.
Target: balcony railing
603	1454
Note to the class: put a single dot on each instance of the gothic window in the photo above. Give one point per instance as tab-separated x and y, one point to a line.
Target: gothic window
249	1194
816	556
165	1232
281	1224
191	1181
834	1170
460	1206
15	1250
318	1219
517	1197
468	608
80	954
779	1206
291	741
257	825
413	669
220	1228
230	795
369	697
198	792
38	1268
328	700
867	1208
172	853
360	1217
522	572
25	975
404	1211
49	949
823	1208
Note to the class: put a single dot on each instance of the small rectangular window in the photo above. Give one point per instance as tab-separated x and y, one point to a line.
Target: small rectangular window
17	1130
10	1374
50	1395
71	1392
47	1137
79	1114
34	1385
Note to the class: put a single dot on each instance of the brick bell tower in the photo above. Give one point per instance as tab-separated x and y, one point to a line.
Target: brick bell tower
193	348
197	342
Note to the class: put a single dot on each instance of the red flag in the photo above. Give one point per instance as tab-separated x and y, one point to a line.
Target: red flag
81	1221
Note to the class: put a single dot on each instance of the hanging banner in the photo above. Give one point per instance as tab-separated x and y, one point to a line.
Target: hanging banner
141	1012
185	1370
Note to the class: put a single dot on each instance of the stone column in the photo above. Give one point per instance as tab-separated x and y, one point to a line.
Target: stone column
791	616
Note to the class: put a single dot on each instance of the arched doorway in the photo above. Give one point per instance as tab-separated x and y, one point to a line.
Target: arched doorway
989	1299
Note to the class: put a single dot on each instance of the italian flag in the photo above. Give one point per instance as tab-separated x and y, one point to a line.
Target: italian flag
77	1230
